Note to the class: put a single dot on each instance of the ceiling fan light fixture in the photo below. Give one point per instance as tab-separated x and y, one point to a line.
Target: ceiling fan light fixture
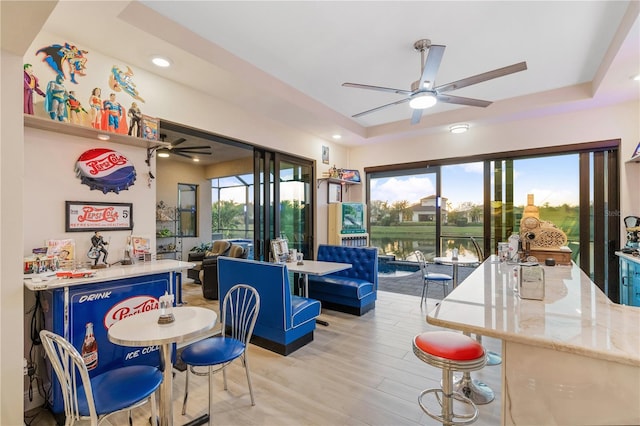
423	100
196	159
459	128
163	153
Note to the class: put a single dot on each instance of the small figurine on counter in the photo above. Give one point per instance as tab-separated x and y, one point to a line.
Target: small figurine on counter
56	99
97	247
75	108
135	120
115	115
95	106
30	85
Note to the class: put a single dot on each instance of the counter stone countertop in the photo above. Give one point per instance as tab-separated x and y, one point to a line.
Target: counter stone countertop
49	281
575	315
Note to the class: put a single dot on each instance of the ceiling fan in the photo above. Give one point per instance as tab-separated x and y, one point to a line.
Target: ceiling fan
183	151
424	94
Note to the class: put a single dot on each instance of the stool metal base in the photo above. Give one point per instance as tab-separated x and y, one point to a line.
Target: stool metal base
464	419
493	358
473	389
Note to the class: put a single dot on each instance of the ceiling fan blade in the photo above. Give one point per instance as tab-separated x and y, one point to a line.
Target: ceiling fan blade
431	66
196	147
381	107
177	142
181	154
489	75
188	151
459	100
378	88
416	116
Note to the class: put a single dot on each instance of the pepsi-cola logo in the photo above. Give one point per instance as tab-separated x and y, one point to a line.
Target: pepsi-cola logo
132	306
106	170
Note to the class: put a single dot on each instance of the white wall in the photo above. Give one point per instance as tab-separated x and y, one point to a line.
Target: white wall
169	175
619	121
12	172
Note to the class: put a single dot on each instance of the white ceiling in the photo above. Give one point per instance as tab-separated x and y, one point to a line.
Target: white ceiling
287	60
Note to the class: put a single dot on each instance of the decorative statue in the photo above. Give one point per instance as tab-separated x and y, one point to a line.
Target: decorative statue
135	120
30	86
75	108
97	247
56	100
95	106
115	116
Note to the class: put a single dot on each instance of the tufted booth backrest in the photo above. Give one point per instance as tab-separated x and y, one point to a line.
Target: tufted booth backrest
364	261
270	279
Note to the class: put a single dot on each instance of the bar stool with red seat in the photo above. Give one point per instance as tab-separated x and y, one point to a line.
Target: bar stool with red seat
451	352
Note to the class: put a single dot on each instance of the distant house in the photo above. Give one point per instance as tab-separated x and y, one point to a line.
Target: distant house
425	209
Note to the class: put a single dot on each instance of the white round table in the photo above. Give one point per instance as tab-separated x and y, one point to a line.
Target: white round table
143	330
455	263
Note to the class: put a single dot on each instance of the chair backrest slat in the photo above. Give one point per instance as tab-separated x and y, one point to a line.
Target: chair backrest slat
71	372
240	310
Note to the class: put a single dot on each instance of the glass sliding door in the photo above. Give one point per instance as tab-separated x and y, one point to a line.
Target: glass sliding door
406	211
462	191
283	202
295	212
575	192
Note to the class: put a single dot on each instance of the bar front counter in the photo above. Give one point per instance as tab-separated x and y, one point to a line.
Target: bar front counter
571	358
83	309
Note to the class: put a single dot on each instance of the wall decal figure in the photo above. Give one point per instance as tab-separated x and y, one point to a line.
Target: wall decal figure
57	55
120	80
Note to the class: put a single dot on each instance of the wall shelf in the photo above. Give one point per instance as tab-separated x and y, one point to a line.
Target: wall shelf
336	180
89	132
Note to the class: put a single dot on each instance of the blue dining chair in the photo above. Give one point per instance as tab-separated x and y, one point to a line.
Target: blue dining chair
428	277
107	393
239	312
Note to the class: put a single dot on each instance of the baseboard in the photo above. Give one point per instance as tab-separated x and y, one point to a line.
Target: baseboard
280	348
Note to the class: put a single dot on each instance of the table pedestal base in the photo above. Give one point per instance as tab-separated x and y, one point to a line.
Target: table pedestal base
473	389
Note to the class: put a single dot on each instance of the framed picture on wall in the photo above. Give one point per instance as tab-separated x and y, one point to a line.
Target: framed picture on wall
335	193
325	154
82	216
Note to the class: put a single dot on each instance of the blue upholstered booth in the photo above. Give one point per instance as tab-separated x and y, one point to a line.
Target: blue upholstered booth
353	290
286	322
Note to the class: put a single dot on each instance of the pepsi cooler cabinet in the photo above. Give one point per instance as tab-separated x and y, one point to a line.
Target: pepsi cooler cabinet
96	306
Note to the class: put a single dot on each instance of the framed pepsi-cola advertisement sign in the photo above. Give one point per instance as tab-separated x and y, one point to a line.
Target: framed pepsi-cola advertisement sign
82	216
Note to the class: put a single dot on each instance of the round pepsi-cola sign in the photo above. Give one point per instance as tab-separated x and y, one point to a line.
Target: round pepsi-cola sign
106	170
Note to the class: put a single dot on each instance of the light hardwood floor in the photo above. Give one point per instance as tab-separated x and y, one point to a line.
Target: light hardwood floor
357	371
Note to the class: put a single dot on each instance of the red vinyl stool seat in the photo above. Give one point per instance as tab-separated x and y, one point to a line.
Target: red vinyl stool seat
450	352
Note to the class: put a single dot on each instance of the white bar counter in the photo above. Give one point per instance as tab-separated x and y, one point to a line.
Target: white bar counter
48	281
572	358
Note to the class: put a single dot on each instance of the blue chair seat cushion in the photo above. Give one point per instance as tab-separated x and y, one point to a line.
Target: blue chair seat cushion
342	286
120	388
303	310
212	351
434	276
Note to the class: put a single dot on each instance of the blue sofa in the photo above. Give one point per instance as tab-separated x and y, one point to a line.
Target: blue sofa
285	322
354	290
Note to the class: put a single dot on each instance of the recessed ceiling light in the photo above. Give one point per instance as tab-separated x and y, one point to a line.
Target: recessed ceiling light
337	136
161	61
103	137
459	128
